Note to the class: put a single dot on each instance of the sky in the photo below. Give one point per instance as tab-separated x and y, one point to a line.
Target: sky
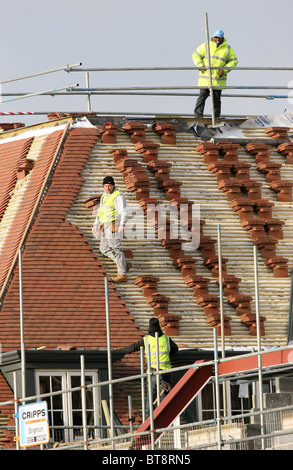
38	36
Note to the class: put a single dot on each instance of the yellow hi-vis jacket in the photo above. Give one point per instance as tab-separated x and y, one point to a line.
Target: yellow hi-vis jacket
221	56
164	351
107	211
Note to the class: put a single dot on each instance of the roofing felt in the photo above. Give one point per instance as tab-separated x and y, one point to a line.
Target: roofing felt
186	167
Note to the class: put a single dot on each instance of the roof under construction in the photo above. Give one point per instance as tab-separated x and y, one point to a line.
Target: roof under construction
225	189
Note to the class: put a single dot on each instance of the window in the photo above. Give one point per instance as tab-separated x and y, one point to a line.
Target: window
241	397
65	410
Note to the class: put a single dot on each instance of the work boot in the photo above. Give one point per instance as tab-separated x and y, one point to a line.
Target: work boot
120	278
128	265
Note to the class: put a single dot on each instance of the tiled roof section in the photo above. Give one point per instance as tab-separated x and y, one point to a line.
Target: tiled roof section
63	281
6	413
29	194
11	155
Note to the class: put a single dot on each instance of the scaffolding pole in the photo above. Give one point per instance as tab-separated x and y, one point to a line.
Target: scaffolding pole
150	397
109	359
38	93
68	68
260	378
150	69
217	387
16	410
222	313
22	344
87	80
142	381
221	290
83	402
210	72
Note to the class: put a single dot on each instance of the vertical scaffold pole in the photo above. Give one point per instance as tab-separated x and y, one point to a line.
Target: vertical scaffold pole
222	313
150	398
22	345
260	380
217	391
83	401
142	384
16	410
87	80
109	359
157	368
210	71
221	290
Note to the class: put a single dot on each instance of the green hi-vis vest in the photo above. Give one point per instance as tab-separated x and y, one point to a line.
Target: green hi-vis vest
221	56
107	211
164	351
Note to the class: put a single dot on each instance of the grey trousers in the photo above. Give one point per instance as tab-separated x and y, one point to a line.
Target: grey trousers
111	247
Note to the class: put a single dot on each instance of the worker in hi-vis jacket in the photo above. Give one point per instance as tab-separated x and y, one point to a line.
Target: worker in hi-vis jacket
166	349
110	225
221	55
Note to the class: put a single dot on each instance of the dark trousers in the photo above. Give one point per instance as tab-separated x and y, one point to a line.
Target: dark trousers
200	103
165	387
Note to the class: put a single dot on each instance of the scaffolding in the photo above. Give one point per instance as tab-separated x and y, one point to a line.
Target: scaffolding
225	431
222	432
74	90
143	91
256	429
157	91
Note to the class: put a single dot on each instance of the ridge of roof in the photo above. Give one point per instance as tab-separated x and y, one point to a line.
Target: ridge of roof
34	129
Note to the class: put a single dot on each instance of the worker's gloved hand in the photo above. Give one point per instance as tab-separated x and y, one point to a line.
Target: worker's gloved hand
165	386
221	72
96	231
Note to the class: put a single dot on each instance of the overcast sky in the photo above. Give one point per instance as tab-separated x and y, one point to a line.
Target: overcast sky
38	35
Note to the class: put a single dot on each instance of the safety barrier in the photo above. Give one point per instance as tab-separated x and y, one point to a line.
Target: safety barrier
265	428
74	90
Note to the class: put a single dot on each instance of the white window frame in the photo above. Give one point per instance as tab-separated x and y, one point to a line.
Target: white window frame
253	396
67	410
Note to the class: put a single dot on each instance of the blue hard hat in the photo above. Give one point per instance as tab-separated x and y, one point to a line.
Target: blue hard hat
218	33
